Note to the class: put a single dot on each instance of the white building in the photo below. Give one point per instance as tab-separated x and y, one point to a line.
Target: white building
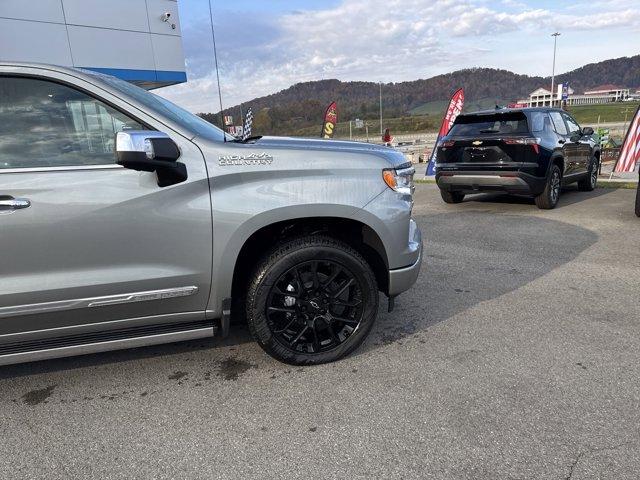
609	93
136	40
542	97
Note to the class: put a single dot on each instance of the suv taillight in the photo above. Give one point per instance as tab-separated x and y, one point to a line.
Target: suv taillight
534	142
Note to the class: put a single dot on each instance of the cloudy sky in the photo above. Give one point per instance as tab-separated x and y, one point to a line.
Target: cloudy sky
268	45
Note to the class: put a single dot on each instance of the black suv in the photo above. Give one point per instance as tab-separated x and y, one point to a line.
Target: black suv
530	151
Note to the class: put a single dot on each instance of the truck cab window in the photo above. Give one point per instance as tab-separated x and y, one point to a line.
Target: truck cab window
46	124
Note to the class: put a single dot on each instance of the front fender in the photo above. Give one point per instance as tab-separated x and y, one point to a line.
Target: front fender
230	237
272	183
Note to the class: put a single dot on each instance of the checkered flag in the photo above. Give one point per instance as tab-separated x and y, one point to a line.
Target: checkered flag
248	125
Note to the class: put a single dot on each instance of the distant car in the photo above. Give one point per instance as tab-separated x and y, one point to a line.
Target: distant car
529	151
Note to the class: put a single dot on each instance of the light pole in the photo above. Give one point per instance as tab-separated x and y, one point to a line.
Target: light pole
381	130
553	71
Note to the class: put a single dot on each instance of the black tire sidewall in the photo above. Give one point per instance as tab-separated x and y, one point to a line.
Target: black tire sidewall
550	186
595	165
544	200
585	184
283	259
452	197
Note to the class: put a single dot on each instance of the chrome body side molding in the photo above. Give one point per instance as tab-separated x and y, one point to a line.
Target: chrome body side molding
96	302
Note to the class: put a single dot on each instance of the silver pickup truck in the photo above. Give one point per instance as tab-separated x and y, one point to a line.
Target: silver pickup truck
126	221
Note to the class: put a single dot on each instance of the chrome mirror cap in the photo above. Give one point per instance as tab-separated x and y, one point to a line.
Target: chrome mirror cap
138	141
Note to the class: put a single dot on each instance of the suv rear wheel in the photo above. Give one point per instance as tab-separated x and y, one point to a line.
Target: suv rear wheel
548	199
311	300
589	183
452	197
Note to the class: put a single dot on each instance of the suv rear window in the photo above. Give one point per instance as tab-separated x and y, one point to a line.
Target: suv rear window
492	124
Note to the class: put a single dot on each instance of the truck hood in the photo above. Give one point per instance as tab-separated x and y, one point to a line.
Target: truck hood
394	157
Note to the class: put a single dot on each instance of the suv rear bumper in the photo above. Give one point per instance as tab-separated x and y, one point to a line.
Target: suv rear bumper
470	182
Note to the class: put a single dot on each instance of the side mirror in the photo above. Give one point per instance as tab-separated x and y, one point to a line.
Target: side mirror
575	137
151	151
587	131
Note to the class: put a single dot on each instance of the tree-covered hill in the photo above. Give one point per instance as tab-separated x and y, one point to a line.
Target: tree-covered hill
303	104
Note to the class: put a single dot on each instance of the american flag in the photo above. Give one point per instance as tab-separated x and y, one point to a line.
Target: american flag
630	152
248	125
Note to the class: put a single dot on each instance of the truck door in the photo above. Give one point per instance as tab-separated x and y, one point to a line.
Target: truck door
83	240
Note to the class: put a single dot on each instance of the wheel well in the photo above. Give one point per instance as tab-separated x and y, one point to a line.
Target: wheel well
559	161
357	235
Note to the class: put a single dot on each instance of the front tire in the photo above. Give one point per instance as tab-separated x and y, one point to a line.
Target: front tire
548	199
451	197
591	182
311	300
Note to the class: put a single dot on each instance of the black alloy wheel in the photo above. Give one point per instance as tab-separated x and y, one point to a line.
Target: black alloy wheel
311	300
315	306
548	199
590	183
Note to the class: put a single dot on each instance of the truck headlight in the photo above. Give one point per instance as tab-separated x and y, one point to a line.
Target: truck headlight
400	180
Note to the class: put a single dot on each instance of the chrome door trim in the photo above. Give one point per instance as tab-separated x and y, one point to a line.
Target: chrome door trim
95	302
106	346
69	168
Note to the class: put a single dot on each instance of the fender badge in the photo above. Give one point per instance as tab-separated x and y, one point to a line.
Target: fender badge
478	142
253	159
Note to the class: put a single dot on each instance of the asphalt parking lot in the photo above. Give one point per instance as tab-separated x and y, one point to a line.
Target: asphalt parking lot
517	355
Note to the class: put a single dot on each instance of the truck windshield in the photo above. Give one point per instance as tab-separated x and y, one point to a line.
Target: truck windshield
164	107
492	124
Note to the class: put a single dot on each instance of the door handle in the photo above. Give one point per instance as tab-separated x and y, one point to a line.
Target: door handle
10	203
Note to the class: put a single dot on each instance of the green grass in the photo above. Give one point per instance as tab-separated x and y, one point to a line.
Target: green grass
427	119
431	108
409	124
585	114
438	107
606	113
608	184
426	181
